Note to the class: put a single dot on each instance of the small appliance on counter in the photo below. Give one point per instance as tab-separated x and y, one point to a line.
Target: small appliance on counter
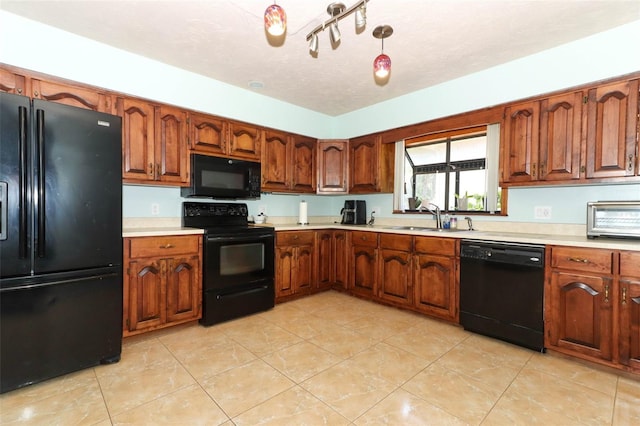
615	219
354	212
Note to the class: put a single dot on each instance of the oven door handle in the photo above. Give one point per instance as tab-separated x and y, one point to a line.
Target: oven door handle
239	238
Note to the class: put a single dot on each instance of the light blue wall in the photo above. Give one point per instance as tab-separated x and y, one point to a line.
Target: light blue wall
608	54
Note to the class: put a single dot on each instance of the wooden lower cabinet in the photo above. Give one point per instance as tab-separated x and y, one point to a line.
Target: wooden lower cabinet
395	262
162	282
593	305
436	277
295	265
630	310
363	261
332	254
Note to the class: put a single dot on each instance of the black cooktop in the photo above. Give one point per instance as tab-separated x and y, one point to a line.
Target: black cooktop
221	218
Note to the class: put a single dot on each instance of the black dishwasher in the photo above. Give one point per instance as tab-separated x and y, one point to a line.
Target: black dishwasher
501	291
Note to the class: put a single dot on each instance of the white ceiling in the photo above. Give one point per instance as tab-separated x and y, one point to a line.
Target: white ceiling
433	40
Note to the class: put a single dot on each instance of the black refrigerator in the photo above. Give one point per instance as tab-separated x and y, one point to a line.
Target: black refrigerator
60	240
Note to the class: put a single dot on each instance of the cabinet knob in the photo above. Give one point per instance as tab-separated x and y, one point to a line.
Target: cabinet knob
19	91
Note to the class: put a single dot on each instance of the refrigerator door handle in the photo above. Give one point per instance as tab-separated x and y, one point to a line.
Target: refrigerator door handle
40	194
22	189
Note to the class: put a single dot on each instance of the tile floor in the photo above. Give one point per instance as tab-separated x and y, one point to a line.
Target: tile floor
329	359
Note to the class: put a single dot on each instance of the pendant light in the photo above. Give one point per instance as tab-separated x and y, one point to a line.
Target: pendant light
382	63
275	20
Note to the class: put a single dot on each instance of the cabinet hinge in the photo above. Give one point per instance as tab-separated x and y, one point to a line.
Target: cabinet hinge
585	99
127	322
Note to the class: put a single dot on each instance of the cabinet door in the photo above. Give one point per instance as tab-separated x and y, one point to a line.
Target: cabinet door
183	289
276	161
581	314
303	164
285	270
244	141
137	139
326	262
435	286
521	141
395	282
560	137
147	308
171	154
71	95
363	165
611	130
207	134
341	258
630	309
304	269
13	83
364	272
332	166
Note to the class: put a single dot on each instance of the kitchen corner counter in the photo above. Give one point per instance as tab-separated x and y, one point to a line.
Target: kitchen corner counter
513	237
159	231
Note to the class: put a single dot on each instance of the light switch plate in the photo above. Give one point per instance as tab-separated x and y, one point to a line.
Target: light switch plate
542	212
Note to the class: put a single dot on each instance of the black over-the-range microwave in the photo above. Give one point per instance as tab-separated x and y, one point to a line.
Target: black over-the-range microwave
224	178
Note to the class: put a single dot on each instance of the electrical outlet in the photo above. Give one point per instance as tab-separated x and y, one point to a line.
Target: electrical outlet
542	212
262	209
155	209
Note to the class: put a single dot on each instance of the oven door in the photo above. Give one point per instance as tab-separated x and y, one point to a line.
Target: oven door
237	260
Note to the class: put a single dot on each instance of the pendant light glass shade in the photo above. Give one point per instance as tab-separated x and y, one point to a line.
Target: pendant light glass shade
275	20
382	66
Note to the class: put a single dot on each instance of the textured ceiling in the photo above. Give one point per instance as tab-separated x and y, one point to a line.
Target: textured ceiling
433	40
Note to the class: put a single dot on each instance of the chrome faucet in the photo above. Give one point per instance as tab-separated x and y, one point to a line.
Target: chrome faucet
469	222
435	211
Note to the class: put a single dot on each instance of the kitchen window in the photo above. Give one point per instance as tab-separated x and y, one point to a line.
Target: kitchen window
456	170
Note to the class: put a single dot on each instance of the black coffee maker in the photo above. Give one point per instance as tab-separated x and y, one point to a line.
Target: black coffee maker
354	212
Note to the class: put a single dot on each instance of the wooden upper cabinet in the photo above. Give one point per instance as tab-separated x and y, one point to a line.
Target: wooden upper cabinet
154	143
288	162
171	154
560	137
211	135
11	82
333	166
276	160
207	134
303	164
71	95
370	165
521	142
137	139
244	141
612	128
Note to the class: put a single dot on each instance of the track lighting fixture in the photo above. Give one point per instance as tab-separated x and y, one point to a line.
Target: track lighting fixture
382	63
275	20
361	16
313	44
337	11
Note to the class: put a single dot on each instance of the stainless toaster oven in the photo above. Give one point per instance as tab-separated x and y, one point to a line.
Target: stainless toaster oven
618	219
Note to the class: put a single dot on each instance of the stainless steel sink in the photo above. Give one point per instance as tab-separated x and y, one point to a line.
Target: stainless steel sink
423	228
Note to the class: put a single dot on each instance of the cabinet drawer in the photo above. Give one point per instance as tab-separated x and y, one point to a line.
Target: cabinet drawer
162	246
294	238
582	259
630	264
430	245
396	242
360	238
